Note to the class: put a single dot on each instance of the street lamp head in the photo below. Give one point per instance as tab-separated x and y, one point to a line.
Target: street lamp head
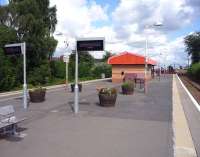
158	24
59	34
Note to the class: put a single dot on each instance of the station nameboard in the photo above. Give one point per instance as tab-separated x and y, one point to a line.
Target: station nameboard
90	44
13	49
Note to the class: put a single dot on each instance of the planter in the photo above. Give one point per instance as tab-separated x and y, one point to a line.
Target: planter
107	100
37	95
127	91
128	87
79	87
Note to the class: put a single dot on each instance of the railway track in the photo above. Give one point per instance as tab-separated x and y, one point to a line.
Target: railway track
192	86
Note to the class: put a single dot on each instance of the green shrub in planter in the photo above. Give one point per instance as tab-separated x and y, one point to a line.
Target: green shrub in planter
128	87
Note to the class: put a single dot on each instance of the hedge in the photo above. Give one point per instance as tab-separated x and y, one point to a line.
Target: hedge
194	71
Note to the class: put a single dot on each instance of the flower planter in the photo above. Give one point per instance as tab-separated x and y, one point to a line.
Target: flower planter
79	87
127	91
37	95
128	87
107	100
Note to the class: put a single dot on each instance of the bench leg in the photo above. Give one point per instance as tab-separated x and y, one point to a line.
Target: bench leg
14	129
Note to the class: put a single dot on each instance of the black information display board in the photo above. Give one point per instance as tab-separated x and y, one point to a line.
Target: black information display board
14	50
90	45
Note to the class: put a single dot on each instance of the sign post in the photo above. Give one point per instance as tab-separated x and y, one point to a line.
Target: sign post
76	90
85	44
25	84
16	49
66	60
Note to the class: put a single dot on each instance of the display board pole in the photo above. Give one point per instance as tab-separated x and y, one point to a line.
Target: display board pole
25	84
76	90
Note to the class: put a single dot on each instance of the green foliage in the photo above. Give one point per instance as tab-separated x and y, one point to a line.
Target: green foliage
108	91
32	21
100	68
128	85
7	35
38	89
86	62
7	73
58	69
106	56
192	43
39	75
194	71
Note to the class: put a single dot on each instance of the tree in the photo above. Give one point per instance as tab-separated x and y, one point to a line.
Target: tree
100	68
192	43
33	21
106	56
58	69
7	73
194	72
86	62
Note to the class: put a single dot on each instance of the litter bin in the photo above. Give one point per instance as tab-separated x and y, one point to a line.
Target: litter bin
103	76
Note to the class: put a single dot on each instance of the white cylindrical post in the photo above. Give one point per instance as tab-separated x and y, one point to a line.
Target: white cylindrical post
66	74
66	60
76	90
25	84
145	68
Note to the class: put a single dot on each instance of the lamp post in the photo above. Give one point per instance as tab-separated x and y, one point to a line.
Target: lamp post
159	64
65	58
146	53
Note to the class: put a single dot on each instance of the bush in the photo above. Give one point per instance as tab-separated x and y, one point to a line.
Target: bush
102	68
58	69
128	85
86	62
40	75
84	69
194	71
7	74
38	89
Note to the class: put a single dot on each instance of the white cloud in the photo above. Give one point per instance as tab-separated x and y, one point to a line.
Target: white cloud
125	30
96	12
75	20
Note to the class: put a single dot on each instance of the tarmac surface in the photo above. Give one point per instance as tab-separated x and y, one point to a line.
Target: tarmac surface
140	125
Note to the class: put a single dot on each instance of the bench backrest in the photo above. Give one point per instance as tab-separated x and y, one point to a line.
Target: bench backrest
130	76
6	111
140	76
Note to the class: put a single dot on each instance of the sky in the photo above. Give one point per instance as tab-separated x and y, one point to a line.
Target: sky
126	24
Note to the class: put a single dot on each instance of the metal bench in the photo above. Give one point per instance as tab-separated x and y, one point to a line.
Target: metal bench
140	79
130	77
8	121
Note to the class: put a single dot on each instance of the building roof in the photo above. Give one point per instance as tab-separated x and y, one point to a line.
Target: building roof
129	58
